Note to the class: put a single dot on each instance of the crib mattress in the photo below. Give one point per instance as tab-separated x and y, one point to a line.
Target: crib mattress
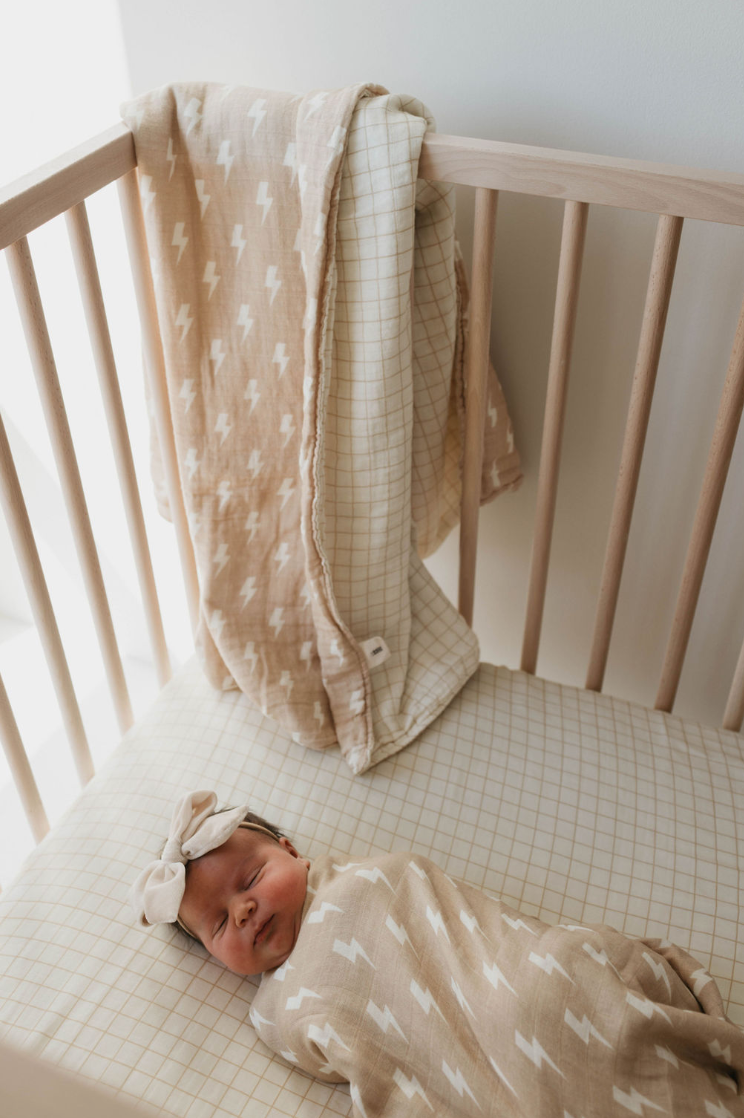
572	806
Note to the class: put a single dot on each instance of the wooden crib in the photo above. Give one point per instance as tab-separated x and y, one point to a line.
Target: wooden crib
580	180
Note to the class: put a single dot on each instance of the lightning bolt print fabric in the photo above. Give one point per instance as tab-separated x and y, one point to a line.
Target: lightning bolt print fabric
429	996
313	307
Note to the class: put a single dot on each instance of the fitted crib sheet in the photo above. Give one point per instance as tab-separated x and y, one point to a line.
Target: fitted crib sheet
570	805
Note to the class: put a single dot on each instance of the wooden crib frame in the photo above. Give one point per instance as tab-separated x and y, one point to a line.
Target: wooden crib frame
674	193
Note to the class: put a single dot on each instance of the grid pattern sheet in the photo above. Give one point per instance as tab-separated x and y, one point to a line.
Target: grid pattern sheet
571	806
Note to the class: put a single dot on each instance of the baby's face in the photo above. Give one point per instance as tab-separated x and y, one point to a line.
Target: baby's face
244	900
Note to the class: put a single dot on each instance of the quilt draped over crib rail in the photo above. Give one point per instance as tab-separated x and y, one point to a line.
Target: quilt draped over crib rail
312	303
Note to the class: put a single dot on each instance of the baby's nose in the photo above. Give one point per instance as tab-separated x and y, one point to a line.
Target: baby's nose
244	909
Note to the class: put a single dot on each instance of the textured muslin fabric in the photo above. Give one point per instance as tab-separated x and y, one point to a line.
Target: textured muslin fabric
312	304
430	997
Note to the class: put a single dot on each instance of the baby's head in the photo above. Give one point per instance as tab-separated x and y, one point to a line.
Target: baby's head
229	879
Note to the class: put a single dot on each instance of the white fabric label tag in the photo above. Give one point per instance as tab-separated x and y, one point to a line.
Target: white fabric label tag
375	650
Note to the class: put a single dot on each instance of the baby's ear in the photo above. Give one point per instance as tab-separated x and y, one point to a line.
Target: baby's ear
287	845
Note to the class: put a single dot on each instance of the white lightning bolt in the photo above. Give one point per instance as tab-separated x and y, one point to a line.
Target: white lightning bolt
725	1080
410	1087
374	875
306	595
247	591
306	653
311	315
324	1036
457	1080
318	714
495	475
146	194
336	651
245	320
280	358
184	319
221	557
400	934
356	702
201	194
645	1006
315	103
171	158
281	972
716	1051
351	950
417	869
252	524
495	976
492	413
584	1028
336	142
634	1102
461	998
356	1098
276	621
383	1018
600	957
251	393
296	1001
224	493
285	490
437	923
287	682
271	281
192	114
318	916
346	866
210	276
191	462
263	199
549	964
664	1054
288	1054
255	465
217	622
186	394
423	997
516	924
178	239
286	428
502	1077
222	426
535	1052
282	555
257	111
659	970
251	654
701	978
290	160
239	242
216	354
257	1019
717	1110
224	159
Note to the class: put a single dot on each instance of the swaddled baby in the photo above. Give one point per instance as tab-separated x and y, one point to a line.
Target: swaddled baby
429	996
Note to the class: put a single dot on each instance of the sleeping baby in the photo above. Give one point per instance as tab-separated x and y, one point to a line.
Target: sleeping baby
429	996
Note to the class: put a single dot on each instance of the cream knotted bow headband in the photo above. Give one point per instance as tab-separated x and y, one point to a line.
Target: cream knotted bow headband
194	830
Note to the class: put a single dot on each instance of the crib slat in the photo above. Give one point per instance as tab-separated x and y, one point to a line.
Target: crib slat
23	778
719	457
42	359
733	716
658	293
566	301
21	533
95	315
476	390
134	226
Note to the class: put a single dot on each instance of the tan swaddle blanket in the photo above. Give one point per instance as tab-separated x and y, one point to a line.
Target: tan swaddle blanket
430	997
313	309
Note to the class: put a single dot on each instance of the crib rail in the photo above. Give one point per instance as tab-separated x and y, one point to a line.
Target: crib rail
580	180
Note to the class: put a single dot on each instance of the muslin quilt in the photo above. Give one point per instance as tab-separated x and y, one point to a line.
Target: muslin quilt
431	997
313	309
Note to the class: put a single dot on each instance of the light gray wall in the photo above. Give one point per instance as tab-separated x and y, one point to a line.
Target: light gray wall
657	80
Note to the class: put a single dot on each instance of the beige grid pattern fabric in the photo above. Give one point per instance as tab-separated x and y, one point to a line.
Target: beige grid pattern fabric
313	309
569	806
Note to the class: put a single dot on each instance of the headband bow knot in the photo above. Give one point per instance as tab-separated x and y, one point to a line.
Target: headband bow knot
194	830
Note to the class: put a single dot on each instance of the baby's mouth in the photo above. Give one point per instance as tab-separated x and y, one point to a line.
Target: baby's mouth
260	934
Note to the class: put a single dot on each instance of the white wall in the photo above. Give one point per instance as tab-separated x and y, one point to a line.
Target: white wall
658	81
